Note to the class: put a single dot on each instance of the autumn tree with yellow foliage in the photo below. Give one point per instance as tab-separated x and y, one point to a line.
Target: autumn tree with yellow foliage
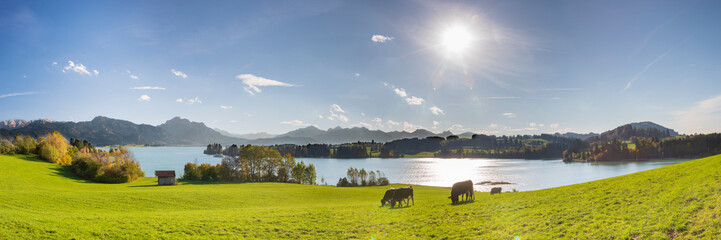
54	148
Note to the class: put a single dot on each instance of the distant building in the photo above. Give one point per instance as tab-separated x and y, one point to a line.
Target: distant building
165	177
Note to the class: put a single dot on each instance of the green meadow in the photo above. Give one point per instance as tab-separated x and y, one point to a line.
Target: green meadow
40	200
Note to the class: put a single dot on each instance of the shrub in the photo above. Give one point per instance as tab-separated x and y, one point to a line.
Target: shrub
192	172
86	167
383	181
6	147
343	182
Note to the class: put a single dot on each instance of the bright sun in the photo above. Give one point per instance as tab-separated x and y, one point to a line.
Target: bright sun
456	39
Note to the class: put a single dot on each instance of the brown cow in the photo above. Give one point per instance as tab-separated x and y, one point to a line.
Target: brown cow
465	188
402	194
388	196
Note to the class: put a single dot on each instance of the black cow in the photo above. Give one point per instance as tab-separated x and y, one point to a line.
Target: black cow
388	196
402	194
465	188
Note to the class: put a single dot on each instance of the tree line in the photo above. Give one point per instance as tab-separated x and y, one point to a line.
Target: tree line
253	164
698	145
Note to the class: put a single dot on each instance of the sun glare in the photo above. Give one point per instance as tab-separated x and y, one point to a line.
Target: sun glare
456	39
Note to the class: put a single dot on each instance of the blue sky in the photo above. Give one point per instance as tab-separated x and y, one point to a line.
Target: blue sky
521	67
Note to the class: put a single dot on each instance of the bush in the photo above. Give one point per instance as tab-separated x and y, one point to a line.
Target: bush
383	181
6	147
343	182
192	172
86	167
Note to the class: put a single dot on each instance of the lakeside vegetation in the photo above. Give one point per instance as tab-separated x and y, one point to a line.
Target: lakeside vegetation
253	164
628	144
362	178
41	200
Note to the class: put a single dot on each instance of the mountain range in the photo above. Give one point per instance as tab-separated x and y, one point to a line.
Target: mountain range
182	132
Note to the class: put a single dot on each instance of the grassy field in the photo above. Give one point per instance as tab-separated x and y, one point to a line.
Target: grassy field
42	200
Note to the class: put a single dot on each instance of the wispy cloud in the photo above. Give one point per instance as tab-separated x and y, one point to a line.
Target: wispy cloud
189	100
253	83
408	127
392	123
336	108
79	68
703	117
357	75
435	124
493	125
134	77
509	115
16	94
381	39
436	110
226	107
500	97
413	100
296	123
643	71
400	91
179	73
560	89
336	112
554	125
147	88
144	98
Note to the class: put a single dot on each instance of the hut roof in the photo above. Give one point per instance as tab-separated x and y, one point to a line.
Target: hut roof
165	173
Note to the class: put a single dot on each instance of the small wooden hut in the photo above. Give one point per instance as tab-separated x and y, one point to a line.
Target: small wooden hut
165	177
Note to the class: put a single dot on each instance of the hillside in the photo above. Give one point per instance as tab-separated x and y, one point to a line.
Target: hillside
44	201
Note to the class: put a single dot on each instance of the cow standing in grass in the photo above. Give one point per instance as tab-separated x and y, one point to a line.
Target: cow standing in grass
401	194
465	188
388	196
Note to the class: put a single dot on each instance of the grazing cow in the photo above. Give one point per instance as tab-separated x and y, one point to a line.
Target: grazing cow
403	194
495	190
388	196
465	188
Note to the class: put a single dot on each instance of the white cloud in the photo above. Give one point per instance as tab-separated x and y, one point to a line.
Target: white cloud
134	77
226	107
392	123
16	94
554	125
380	38
363	114
320	116
377	120
523	129
413	100
357	75
55	63
500	97
144	98
436	110
366	125
336	108
253	83
179	73
457	127
179	100
147	88
400	91
193	100
408	127
435	124
341	117
532	124
233	121
295	123
79	68
509	115
540	124
493	125
703	117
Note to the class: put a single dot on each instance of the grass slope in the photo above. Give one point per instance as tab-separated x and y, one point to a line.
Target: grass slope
41	200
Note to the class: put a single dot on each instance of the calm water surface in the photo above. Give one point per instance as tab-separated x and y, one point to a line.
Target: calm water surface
526	174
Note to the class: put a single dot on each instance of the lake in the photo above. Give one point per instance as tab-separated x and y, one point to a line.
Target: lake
525	174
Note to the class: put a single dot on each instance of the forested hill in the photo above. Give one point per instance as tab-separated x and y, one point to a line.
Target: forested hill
639	130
